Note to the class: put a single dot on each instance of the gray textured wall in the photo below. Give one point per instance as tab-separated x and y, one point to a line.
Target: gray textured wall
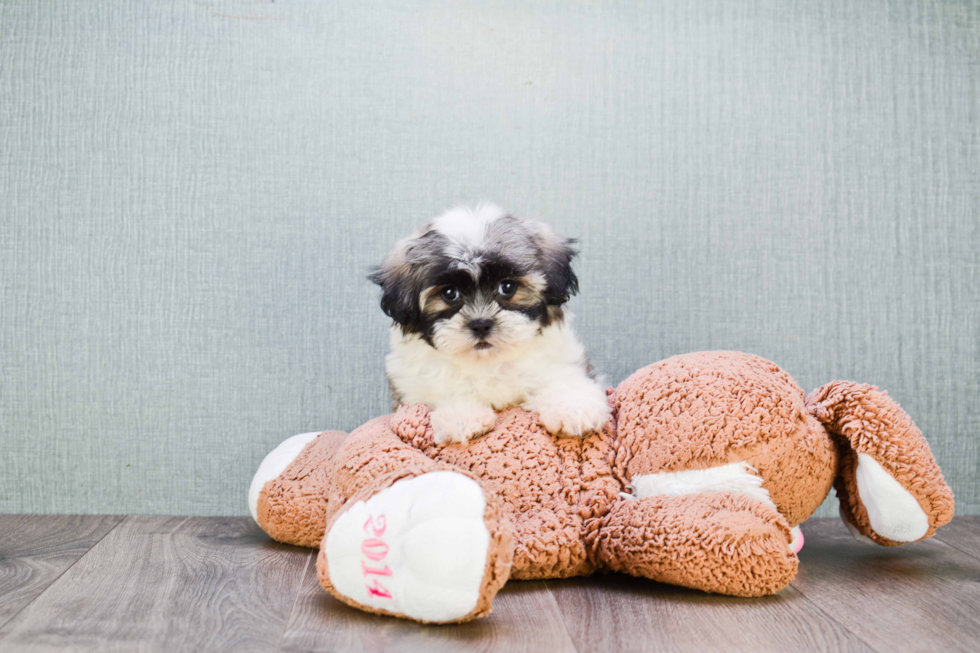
191	194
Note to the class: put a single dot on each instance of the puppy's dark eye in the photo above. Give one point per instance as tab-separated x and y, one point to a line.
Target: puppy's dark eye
507	288
449	294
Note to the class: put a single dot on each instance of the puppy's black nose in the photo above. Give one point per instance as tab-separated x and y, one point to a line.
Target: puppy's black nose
481	328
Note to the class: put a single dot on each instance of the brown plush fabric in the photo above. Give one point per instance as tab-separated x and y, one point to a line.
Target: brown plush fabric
548	487
294	507
866	420
717	542
554	504
371	452
500	554
712	408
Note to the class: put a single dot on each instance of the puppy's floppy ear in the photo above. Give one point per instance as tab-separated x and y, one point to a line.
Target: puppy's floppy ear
399	297
396	296
556	254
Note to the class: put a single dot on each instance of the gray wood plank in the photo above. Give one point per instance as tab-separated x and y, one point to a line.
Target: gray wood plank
622	613
918	597
962	533
524	618
167	584
36	549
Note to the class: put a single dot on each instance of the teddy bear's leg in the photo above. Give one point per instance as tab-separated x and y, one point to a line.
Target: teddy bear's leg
714	541
292	496
424	543
890	488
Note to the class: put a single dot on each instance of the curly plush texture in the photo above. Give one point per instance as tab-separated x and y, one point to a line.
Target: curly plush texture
712	408
718	542
295	506
548	487
865	420
561	507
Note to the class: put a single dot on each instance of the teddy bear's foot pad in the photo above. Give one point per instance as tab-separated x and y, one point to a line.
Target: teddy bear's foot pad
892	510
418	548
275	462
292	496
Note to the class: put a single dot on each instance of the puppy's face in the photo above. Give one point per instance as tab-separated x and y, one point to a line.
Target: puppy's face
477	283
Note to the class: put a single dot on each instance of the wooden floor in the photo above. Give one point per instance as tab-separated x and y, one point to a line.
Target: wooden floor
218	584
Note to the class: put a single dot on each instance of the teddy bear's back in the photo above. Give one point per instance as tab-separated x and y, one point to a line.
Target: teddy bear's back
552	489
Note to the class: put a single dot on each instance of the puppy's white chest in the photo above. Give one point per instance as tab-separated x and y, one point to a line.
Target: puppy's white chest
420	374
499	385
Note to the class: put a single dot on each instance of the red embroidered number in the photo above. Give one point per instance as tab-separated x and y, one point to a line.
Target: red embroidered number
377	526
377	571
375	589
375	549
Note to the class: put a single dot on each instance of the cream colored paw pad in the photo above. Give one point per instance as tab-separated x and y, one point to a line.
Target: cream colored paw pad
274	464
418	548
892	510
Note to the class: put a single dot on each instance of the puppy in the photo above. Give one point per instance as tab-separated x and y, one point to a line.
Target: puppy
477	298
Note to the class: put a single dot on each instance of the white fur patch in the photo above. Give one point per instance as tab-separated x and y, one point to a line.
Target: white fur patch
460	421
573	407
275	462
465	227
739	478
417	548
893	512
544	372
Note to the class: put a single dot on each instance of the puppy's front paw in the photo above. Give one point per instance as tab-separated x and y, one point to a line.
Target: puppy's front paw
461	422
573	412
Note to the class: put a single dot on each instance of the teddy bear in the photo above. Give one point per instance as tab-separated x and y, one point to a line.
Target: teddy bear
709	464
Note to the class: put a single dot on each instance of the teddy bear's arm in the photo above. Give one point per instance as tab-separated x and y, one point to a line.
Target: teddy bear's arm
373	451
890	488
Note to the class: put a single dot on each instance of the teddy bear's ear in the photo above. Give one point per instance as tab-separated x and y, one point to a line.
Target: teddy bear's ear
556	254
